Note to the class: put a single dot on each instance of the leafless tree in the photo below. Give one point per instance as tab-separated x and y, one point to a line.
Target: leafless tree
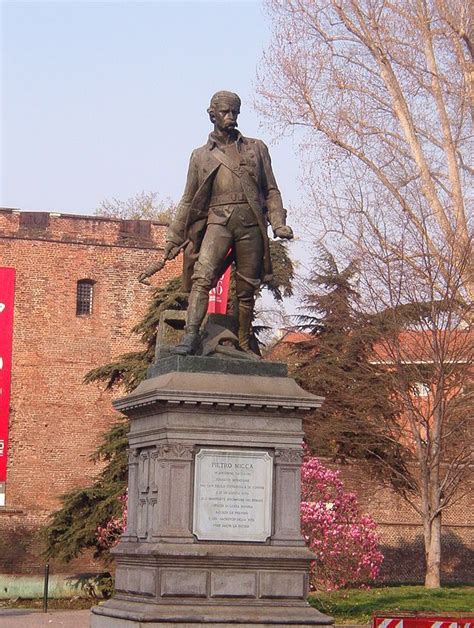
381	96
142	206
427	350
382	93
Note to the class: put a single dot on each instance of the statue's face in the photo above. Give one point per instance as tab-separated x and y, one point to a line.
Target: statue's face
225	115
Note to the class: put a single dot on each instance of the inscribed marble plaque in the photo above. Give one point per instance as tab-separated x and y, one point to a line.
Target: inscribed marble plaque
233	495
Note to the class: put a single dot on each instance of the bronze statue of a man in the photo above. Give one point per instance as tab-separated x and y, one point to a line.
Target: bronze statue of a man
230	195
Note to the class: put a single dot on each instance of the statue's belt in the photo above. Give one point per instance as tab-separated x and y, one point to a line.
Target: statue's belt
227	198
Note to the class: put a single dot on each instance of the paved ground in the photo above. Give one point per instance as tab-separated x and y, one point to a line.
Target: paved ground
24	618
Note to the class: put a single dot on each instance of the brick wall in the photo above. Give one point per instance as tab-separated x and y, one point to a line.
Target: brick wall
55	420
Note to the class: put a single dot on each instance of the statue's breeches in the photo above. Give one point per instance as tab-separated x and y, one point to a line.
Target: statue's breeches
247	243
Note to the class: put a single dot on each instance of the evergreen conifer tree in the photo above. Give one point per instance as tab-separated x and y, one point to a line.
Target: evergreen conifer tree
334	361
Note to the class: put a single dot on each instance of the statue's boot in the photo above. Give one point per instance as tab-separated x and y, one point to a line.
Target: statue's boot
245	324
189	344
197	308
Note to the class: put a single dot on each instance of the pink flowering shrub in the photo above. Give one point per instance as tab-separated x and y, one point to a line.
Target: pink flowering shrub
109	535
344	541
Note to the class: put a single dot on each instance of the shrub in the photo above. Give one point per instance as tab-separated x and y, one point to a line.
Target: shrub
344	541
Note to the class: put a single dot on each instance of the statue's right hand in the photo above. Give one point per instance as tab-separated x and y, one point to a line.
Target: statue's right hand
171	250
143	278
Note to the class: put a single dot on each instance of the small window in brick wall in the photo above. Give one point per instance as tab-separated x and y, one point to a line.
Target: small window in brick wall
84	296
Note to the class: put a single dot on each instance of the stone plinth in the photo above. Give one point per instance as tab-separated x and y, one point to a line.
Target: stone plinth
174	567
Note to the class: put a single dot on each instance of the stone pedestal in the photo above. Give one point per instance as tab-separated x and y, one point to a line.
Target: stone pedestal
215	445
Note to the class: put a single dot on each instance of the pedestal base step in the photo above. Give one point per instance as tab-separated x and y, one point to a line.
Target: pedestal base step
111	622
142	615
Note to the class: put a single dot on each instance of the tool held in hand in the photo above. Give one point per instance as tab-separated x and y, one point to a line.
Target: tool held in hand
157	266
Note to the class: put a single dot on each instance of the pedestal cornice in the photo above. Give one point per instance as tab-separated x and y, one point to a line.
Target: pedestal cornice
218	390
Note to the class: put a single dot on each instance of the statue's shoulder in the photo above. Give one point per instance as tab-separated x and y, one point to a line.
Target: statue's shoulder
254	142
251	140
200	151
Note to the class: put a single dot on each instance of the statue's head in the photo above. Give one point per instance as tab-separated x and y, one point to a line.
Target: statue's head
224	109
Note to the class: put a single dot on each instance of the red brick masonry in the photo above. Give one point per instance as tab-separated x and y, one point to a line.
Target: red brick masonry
55	420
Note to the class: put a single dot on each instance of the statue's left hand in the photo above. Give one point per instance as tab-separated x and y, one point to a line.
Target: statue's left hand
284	232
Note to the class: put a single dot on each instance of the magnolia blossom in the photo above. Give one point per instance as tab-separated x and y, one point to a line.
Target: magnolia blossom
109	534
343	540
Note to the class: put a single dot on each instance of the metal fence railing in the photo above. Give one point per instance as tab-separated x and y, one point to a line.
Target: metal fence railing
404	556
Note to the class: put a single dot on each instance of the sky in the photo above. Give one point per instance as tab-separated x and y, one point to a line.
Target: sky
105	100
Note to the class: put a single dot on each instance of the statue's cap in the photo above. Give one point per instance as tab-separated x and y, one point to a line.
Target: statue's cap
225	96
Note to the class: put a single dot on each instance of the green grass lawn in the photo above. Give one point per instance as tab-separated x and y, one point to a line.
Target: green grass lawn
358	605
350	606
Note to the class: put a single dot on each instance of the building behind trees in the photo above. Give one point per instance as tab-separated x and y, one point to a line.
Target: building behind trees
76	301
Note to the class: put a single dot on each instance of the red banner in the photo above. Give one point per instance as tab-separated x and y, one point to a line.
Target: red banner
7	292
218	295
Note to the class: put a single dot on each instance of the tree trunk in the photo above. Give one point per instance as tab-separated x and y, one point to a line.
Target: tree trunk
433	554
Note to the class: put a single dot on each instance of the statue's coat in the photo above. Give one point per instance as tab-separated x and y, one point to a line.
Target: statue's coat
258	185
